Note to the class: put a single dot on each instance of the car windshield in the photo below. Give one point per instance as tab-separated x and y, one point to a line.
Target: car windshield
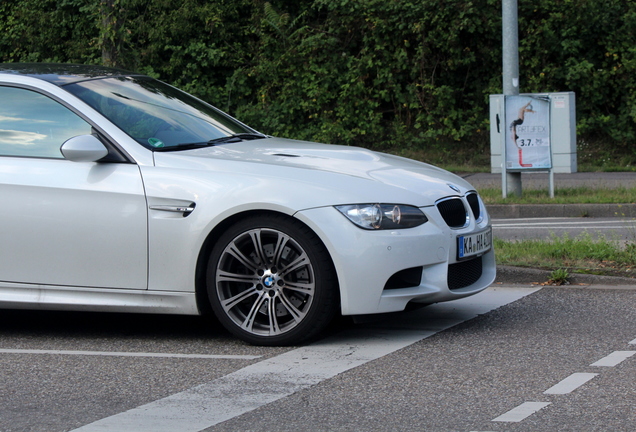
158	116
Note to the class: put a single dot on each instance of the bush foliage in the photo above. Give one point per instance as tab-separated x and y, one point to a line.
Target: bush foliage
376	73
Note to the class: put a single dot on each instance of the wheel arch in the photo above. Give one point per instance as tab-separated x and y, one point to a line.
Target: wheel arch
201	292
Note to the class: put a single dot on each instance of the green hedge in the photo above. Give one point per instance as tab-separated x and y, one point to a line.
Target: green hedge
374	73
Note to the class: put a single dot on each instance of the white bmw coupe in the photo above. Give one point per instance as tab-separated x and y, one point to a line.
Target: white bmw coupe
121	193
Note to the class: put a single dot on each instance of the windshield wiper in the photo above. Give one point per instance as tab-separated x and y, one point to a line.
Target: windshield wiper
185	146
237	137
220	140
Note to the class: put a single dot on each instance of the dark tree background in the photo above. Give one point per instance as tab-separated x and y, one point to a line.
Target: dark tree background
376	73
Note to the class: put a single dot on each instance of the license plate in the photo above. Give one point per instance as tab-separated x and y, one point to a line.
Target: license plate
474	244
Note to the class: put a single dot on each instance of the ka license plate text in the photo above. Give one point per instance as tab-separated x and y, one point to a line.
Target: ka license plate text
474	244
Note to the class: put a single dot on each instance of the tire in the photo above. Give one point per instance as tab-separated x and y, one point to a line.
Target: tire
270	281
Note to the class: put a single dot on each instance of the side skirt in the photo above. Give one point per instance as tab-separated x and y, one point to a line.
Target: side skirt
47	297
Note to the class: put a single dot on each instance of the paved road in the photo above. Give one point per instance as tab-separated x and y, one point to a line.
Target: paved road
471	365
622	229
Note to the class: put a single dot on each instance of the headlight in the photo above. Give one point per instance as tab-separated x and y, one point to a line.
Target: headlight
383	216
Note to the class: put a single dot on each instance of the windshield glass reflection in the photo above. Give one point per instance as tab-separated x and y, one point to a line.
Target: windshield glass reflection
155	114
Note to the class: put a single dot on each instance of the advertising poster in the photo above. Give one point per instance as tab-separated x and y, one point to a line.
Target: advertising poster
528	132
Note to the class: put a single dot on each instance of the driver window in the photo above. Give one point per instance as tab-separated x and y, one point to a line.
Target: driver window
34	125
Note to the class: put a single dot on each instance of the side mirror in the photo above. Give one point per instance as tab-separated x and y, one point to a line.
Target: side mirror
84	148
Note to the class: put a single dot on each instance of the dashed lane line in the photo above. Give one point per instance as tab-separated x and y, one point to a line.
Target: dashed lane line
521	412
614	358
566	386
571	383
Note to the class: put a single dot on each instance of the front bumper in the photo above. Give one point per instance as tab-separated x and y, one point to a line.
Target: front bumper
366	262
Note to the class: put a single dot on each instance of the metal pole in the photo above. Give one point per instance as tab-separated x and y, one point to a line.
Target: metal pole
510	58
510	33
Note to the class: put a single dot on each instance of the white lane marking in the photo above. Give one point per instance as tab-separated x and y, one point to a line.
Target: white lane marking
633	342
614	358
272	379
129	354
560	220
562	226
538	224
521	412
571	383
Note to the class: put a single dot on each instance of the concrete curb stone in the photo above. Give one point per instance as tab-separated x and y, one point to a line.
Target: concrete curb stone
521	275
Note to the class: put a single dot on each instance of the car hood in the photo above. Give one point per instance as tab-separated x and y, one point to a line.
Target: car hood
387	172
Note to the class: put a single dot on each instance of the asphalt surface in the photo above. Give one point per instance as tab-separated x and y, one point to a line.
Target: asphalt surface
600	180
463	378
451	367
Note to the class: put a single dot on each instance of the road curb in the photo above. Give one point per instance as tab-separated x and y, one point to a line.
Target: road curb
511	211
521	275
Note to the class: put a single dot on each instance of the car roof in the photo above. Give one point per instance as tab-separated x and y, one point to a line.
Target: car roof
63	73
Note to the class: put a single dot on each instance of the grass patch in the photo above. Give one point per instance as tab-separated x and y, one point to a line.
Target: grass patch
580	254
559	277
580	195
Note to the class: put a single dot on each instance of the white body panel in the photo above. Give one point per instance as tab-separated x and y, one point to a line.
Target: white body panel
77	224
366	260
227	180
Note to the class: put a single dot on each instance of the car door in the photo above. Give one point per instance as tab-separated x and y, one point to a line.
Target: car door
64	223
